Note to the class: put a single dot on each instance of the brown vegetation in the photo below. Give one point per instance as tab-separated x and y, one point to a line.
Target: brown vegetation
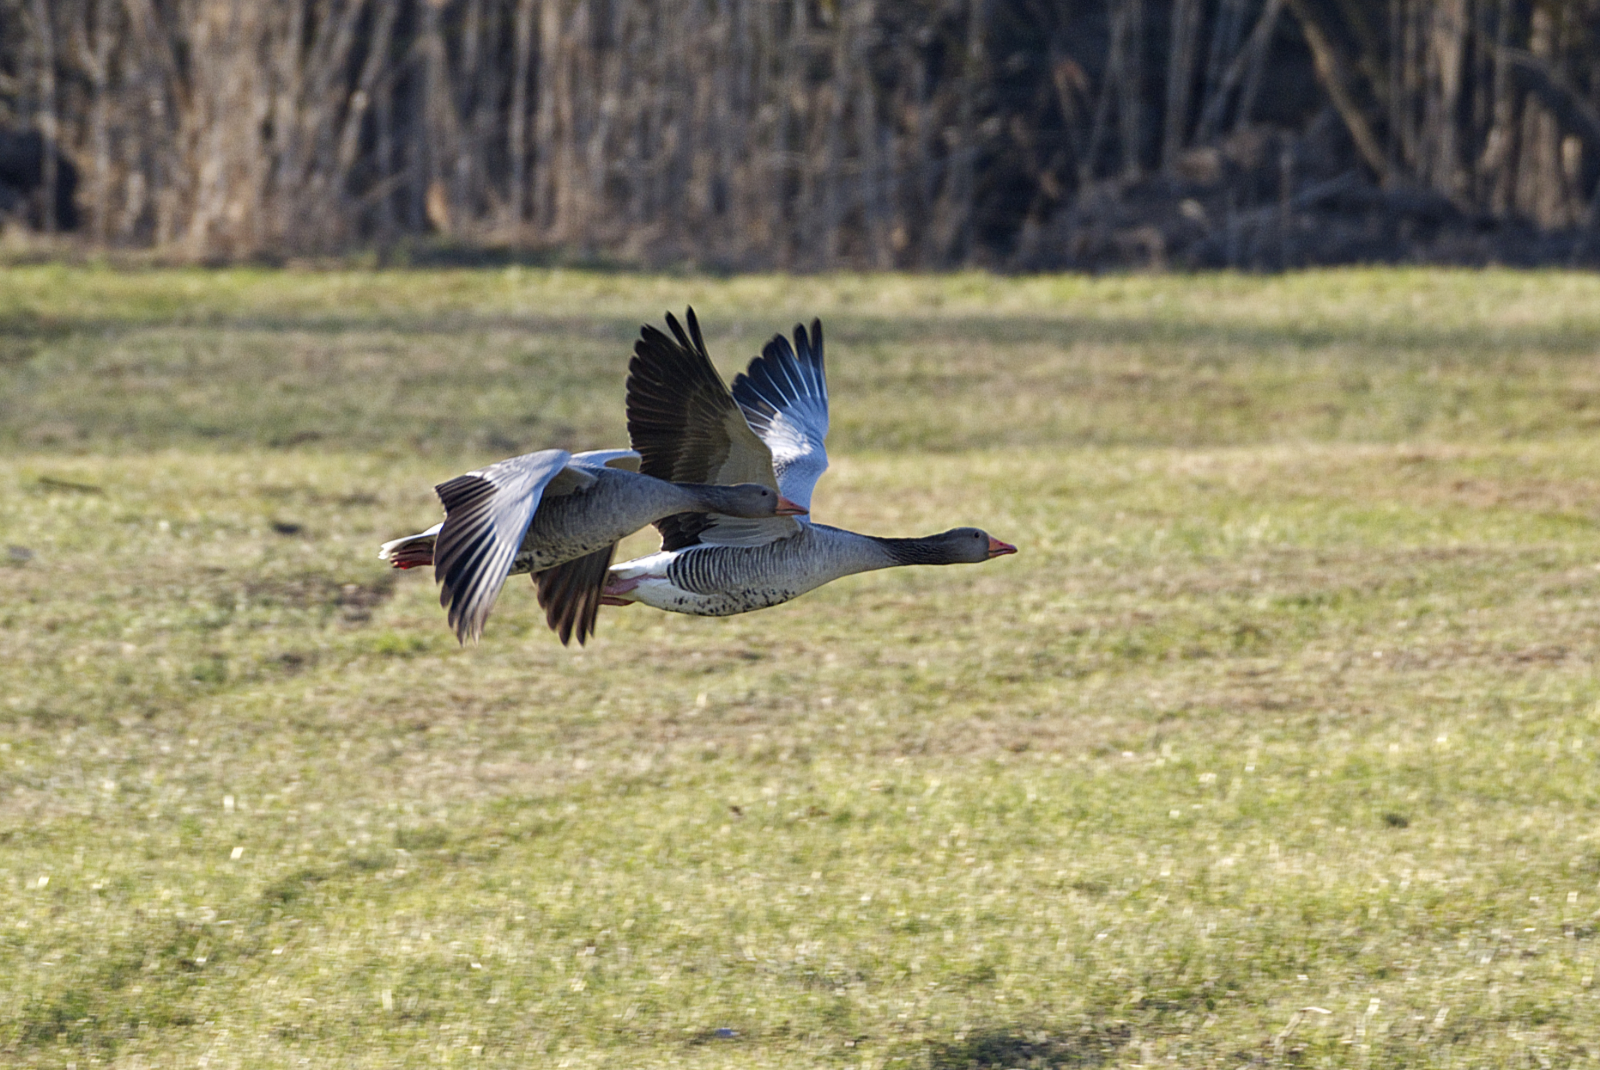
814	134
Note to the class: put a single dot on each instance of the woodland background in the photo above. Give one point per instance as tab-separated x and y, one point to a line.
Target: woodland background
810	134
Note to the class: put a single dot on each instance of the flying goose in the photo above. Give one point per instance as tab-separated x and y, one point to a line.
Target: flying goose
769	430
554	508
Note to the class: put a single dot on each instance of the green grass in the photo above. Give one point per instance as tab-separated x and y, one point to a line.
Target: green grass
1274	746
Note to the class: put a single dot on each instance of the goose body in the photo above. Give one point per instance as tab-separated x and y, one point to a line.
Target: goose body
558	516
720	581
770	429
618	503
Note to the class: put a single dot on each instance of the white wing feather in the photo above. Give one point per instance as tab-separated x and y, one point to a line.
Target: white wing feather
784	398
629	460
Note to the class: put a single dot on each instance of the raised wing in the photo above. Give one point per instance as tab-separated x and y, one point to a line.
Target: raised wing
688	429
487	513
682	419
784	398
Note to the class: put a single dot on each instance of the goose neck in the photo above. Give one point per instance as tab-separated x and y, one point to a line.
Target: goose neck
918	551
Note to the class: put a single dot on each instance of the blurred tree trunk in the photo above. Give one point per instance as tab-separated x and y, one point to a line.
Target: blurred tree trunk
1131	106
1182	48
48	126
517	129
1335	71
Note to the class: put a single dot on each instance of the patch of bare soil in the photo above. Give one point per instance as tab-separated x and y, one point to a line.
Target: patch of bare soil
312	590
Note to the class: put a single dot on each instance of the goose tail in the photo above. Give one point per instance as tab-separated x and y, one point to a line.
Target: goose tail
412	551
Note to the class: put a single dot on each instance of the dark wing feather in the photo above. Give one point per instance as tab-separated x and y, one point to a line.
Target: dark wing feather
570	594
685	425
469	562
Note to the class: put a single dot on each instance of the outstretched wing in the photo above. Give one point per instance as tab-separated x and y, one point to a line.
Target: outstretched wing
784	398
688	429
487	513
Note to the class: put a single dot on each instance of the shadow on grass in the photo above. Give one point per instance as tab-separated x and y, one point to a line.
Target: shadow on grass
1016	1047
24	332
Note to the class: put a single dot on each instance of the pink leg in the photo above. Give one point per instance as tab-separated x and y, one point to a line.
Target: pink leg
614	589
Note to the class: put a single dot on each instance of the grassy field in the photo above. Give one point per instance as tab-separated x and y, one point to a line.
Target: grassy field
1275	745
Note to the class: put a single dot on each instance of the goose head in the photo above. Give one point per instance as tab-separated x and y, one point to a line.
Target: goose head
750	501
954	547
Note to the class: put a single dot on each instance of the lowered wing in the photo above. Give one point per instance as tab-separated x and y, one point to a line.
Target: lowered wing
570	592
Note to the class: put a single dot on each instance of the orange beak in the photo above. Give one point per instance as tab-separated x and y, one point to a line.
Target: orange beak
1000	549
788	508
